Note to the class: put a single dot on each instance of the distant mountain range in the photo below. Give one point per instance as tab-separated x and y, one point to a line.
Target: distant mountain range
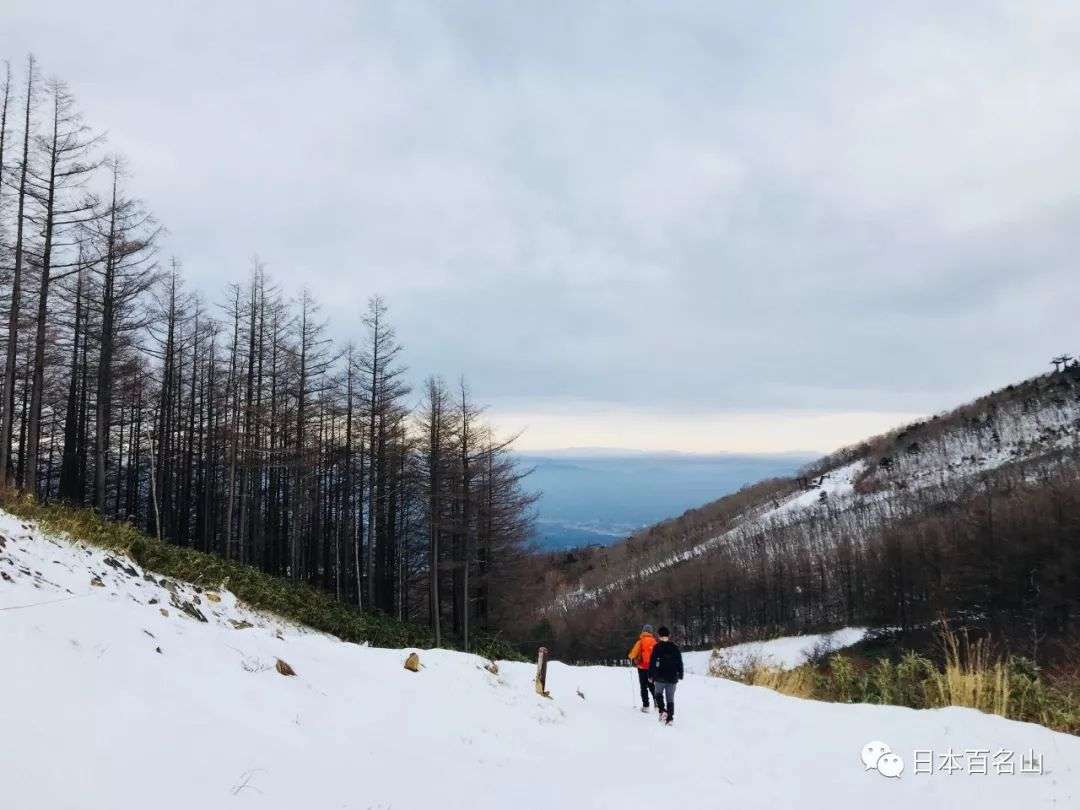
593	496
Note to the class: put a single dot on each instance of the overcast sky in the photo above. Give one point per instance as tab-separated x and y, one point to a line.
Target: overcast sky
695	226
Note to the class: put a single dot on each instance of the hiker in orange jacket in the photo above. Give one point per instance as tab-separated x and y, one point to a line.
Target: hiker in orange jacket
640	656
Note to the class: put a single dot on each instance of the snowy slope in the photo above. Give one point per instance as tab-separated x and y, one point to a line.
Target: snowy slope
837	485
932	457
786	652
93	715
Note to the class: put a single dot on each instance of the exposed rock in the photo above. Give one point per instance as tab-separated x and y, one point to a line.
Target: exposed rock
412	663
164	612
188	608
97	583
153	600
119	566
492	667
212	597
241	625
284	668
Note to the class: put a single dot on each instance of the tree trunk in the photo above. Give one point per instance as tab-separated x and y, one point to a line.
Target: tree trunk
105	370
7	417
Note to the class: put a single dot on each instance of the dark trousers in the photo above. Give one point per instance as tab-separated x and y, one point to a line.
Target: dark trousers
646	689
665	698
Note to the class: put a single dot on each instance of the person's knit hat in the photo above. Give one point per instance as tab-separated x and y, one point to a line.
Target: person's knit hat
647	628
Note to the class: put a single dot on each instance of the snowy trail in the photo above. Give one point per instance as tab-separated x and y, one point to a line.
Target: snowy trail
94	717
786	652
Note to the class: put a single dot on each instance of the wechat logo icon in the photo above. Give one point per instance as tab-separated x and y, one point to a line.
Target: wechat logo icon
877	756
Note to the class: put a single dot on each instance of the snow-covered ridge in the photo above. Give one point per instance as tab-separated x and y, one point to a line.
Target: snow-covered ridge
926	457
107	702
836	485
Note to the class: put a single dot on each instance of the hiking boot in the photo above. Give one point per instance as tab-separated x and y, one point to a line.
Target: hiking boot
645	709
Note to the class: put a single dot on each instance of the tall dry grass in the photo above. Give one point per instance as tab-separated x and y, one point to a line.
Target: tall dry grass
971	675
799	682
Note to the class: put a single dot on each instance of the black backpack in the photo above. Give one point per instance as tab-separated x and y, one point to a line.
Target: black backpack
666	660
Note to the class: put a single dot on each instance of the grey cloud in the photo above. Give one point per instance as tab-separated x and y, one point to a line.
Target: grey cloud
709	206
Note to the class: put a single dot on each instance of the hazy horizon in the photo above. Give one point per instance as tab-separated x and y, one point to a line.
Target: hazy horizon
599	451
591	497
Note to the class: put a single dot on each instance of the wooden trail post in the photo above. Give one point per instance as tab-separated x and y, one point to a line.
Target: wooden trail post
541	672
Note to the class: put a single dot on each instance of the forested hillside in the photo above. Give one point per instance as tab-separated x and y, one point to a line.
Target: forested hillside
228	421
972	514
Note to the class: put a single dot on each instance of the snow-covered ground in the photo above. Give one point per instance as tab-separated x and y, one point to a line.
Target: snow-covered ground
113	697
786	652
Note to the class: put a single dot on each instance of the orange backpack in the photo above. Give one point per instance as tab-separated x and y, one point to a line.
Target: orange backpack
644	647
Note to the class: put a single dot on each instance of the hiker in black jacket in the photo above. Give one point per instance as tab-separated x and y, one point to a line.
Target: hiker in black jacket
665	670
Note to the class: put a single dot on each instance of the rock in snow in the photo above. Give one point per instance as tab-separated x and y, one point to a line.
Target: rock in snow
92	716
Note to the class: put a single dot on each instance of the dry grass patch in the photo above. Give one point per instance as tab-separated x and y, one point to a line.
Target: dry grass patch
970	675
